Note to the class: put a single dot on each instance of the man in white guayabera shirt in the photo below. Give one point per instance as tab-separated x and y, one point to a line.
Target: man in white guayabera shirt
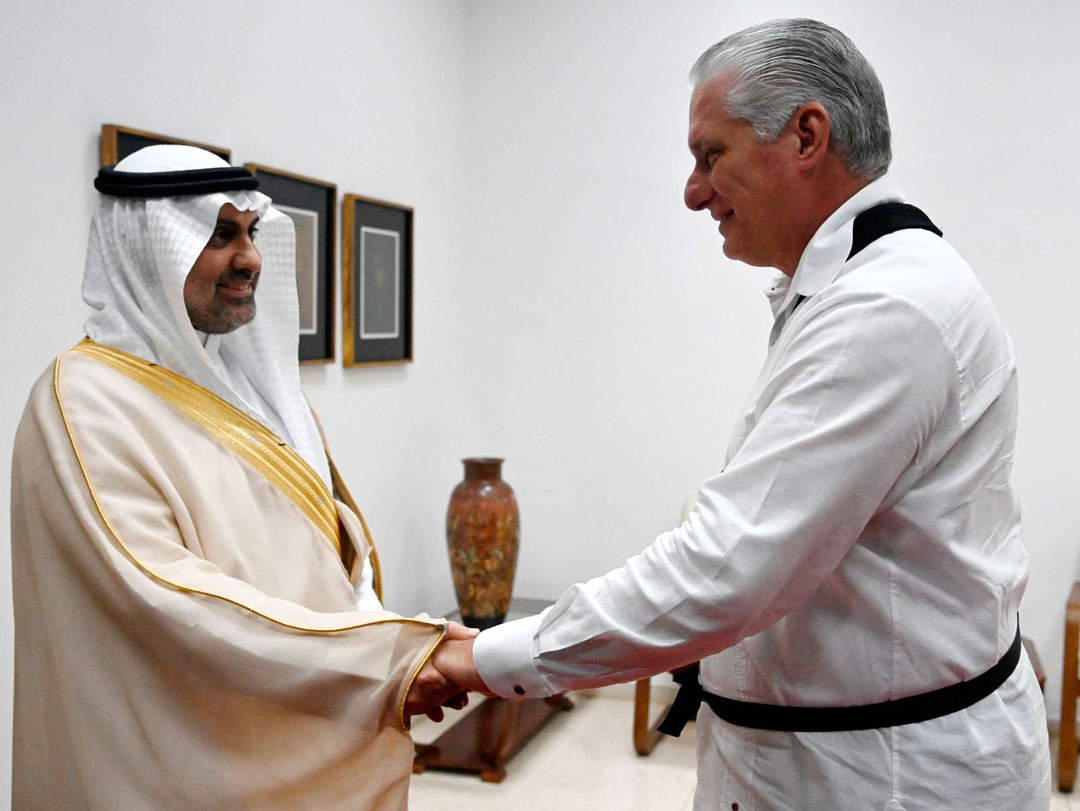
850	578
197	600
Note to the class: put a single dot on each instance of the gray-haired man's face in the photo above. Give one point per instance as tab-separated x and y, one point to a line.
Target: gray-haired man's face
744	184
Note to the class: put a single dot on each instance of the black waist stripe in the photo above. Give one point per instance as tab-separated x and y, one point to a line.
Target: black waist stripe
907	710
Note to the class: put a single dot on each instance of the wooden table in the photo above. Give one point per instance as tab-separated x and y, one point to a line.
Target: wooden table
483	741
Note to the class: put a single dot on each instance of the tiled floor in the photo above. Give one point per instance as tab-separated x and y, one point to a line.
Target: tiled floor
584	759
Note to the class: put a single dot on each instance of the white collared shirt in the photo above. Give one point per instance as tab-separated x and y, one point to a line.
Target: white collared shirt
862	543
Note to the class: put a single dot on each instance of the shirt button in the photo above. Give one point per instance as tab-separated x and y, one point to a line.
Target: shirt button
519	689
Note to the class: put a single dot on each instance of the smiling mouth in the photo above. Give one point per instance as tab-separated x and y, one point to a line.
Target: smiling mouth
245	292
238	287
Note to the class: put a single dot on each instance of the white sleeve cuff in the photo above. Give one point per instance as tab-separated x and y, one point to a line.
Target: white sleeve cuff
504	659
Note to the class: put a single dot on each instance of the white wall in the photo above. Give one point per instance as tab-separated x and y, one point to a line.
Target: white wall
570	314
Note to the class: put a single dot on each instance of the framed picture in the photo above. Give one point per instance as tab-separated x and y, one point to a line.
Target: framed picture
312	206
377	272
118	142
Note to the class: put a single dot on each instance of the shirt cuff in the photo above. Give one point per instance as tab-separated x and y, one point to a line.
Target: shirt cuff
504	659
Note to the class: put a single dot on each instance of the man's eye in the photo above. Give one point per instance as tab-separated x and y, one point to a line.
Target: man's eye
252	231
221	236
711	156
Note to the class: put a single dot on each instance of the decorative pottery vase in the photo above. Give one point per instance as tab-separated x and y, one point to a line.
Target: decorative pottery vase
482	531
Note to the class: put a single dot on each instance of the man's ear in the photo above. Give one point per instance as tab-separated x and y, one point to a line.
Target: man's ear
811	125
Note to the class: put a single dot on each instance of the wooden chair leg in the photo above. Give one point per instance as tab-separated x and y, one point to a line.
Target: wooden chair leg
643	740
1067	748
646	735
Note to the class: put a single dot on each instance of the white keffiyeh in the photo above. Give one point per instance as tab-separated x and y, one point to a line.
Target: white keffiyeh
139	256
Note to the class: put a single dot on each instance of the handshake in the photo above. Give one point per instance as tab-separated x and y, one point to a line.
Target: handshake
447	676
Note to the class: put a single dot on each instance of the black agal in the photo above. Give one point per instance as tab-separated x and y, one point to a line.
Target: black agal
173	184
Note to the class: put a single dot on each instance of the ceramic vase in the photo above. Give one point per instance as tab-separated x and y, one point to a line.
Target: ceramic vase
482	532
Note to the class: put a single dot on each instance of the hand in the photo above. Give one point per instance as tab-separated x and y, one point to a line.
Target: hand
432	689
454	659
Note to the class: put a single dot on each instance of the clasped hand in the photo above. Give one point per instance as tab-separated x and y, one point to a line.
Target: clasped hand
447	677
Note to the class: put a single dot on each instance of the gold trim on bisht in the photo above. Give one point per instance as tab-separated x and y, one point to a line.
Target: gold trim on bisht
341	492
246	437
106	354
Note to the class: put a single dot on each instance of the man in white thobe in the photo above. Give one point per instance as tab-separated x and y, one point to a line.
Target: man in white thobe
850	579
197	612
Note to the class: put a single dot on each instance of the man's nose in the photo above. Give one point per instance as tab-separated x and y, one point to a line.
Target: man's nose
698	192
248	257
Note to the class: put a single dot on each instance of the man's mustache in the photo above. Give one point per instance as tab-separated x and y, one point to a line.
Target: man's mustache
237	275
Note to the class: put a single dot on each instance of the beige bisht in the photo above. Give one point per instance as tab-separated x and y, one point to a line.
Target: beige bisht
186	633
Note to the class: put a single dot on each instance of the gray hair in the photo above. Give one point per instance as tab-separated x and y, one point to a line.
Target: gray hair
776	67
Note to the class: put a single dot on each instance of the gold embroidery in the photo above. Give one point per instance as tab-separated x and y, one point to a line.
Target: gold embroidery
440	627
346	497
343	494
249	439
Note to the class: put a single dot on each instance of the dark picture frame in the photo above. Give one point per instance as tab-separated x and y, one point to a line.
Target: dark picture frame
312	206
377	273
118	142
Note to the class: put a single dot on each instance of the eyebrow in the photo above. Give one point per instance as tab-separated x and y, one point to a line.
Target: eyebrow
707	141
228	221
700	144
